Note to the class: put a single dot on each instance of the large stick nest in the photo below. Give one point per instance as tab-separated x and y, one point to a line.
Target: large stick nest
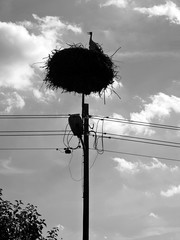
80	70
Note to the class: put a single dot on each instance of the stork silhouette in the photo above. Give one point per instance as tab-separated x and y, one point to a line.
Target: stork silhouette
93	45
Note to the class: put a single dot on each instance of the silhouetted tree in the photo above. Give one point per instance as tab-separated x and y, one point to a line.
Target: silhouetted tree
19	222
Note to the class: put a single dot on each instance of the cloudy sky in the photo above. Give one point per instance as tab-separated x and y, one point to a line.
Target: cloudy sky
131	197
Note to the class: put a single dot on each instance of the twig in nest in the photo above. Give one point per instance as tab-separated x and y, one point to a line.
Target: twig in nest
115	52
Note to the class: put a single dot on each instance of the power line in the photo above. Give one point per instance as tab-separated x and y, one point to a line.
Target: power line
33	135
30	149
121	120
105	135
139	141
43	116
31	131
107	150
141	155
45	133
141	138
139	123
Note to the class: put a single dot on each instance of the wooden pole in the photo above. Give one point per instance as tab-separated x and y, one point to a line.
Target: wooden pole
85	116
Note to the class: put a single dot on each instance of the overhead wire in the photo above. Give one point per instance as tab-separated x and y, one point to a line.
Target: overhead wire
140	155
67	137
96	140
133	122
30	131
34	116
139	141
30	148
105	150
141	138
111	136
65	131
70	171
94	161
19	133
98	135
106	118
32	135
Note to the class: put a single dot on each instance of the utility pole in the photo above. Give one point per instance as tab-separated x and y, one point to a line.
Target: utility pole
85	117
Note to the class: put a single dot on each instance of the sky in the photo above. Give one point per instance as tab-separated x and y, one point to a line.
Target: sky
131	197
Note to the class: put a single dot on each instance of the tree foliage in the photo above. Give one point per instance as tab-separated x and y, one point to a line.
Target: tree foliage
20	222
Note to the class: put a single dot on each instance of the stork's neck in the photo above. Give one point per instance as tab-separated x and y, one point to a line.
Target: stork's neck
90	36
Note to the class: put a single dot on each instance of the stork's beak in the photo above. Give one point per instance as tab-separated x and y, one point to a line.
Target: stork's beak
89	33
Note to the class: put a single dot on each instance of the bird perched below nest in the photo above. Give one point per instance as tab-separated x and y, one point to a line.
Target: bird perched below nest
80	70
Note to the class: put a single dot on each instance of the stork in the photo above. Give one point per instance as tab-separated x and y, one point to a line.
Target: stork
93	45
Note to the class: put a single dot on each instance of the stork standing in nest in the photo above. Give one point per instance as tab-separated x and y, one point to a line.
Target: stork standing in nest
93	45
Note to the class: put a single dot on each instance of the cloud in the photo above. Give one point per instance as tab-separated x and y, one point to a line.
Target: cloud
126	166
170	10
11	101
117	3
52	27
6	168
149	177
173	190
24	43
44	96
136	167
153	215
132	203
159	109
122	126
155	164
113	126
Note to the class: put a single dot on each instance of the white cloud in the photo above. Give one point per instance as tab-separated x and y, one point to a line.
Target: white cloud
11	101
15	46
37	94
117	3
159	109
6	168
52	27
162	105
126	166
149	178
173	190
20	48
137	196
155	164
153	215
44	96
136	167
170	10
74	28
113	126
